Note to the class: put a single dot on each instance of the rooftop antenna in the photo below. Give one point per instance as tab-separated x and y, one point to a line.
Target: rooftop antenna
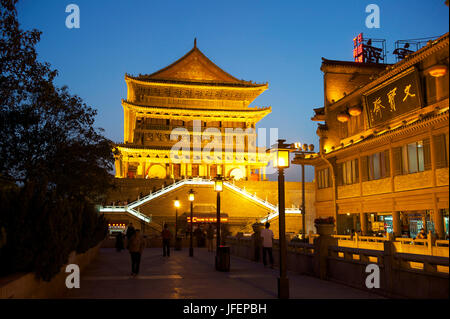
195	42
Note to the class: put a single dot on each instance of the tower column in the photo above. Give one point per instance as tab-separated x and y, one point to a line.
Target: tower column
396	223
143	168
125	169
183	169
363	220
118	166
355	221
438	223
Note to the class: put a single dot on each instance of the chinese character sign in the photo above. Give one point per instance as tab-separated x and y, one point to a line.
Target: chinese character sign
399	96
358	48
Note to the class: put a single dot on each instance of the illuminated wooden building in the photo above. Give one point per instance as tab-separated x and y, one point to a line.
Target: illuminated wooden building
191	92
384	144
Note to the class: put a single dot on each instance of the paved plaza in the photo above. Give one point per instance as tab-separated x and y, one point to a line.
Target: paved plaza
181	276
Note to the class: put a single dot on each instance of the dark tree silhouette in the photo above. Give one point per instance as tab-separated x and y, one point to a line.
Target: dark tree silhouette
47	134
54	164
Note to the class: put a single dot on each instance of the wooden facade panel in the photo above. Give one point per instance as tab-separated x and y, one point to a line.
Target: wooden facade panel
351	207
442	200
414	202
380	186
413	181
442	176
348	191
379	206
324	209
324	194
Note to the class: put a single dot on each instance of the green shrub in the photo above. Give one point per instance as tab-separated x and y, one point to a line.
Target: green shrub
41	230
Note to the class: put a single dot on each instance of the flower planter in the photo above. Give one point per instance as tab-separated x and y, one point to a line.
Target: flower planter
324	229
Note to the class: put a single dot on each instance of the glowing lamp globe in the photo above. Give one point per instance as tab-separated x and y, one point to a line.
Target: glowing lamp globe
343	117
191	196
176	203
218	184
282	159
437	70
355	110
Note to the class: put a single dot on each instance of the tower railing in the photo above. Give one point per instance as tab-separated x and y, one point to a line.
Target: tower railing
130	208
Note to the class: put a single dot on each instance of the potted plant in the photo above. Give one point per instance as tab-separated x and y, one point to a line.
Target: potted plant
324	226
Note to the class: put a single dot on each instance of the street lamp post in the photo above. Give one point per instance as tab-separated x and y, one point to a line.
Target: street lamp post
176	203
218	187
281	161
301	151
191	199
303	203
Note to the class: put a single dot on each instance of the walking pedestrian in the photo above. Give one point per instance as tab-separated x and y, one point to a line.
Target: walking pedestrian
119	241
210	237
198	236
166	235
267	236
130	231
256	238
136	247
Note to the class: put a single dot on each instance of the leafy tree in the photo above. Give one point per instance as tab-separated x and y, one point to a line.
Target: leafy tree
47	133
54	164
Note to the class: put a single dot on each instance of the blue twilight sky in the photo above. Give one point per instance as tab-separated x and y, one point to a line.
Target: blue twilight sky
280	42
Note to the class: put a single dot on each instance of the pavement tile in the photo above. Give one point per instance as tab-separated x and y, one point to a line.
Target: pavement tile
181	276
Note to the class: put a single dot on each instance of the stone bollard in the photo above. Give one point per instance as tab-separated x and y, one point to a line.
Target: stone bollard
321	245
431	241
388	260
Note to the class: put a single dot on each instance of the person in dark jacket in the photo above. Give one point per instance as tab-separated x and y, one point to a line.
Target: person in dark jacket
130	231
166	235
136	247
257	244
119	241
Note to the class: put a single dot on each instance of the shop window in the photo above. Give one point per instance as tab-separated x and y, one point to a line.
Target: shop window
213	124
348	173
177	123
375	166
445	217
440	150
412	158
195	170
323	178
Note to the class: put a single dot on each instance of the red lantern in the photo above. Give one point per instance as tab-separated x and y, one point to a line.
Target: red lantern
343	117
355	110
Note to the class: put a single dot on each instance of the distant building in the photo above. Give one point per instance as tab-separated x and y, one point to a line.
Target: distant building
191	94
194	95
384	144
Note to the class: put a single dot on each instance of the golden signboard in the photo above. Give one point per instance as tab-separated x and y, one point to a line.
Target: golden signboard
395	97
